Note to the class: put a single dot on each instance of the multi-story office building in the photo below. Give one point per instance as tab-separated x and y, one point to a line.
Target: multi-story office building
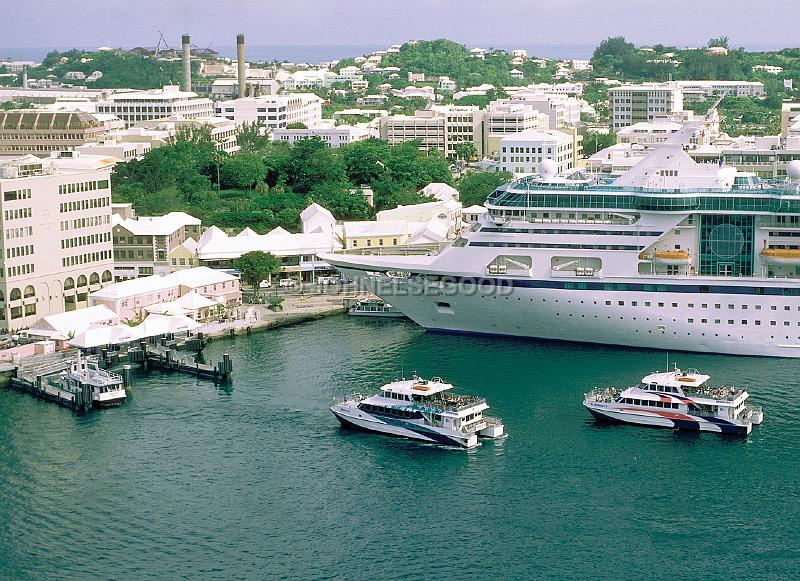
55	216
273	111
136	106
631	104
504	118
37	132
790	119
701	90
562	110
521	153
440	127
147	245
332	135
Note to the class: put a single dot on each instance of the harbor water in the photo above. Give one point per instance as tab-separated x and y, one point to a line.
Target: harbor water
257	479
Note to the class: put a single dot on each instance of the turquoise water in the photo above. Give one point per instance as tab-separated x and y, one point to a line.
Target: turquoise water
258	481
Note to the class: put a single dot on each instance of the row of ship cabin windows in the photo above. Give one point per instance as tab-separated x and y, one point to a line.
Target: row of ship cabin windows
702	305
649	402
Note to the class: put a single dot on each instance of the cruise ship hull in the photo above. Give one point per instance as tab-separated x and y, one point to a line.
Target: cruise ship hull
766	326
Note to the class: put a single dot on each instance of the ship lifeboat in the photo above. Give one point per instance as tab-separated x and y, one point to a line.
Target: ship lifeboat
781	255
668	257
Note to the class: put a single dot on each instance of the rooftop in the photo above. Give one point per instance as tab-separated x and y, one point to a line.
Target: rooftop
156	225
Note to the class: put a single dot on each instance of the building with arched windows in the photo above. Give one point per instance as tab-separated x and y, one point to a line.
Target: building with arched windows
56	242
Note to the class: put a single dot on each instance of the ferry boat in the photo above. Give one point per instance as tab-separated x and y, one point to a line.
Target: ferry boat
671	255
677	399
106	387
374	308
420	409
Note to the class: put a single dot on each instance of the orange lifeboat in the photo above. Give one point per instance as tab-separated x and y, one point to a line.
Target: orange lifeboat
668	257
781	255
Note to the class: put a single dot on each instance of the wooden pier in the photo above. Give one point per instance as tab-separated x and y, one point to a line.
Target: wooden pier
31	375
164	356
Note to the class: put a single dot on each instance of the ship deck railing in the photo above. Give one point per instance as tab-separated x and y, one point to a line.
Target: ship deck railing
447	403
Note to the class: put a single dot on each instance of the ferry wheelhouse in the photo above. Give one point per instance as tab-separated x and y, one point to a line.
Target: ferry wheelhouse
420	409
671	255
677	399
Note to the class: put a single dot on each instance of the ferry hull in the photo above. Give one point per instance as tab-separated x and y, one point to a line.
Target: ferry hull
653	420
368	423
605	317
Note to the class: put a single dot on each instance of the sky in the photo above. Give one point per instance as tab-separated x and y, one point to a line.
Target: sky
117	23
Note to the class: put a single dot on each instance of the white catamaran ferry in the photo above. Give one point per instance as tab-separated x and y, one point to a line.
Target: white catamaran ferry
677	399
671	255
421	410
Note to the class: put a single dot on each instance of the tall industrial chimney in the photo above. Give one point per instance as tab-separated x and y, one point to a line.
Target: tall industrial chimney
240	62
186	53
25	76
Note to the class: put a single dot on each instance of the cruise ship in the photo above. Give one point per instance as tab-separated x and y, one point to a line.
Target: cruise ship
671	255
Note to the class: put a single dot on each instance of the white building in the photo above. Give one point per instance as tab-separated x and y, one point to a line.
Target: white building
300	80
136	106
648	132
506	117
440	127
273	111
772	70
473	214
440	191
521	153
298	252
629	104
700	90
563	111
516	74
56	244
333	135
147	245
447	84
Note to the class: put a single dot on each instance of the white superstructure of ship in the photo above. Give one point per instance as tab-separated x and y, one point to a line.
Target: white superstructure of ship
671	255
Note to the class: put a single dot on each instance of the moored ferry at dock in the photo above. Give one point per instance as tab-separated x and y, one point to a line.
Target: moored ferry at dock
677	399
672	255
105	387
420	409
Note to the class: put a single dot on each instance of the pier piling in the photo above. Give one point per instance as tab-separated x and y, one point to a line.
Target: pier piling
126	376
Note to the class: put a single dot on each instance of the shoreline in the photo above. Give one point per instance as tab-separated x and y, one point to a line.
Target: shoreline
273	321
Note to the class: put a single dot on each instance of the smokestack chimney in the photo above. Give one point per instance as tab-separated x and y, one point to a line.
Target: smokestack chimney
25	76
240	62
186	53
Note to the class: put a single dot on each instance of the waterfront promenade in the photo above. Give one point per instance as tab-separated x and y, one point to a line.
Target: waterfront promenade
298	306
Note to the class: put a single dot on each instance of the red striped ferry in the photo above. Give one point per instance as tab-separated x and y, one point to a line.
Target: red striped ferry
677	399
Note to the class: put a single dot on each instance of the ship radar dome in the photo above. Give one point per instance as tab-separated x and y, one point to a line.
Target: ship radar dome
547	168
793	169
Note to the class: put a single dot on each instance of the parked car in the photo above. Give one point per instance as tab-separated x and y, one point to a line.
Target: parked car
287	283
265	284
325	280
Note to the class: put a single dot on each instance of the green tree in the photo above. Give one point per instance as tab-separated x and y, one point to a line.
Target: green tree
297	125
256	266
722	42
242	171
594	141
466	150
474	187
252	137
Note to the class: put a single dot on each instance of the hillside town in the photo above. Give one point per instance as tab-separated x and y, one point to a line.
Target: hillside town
92	224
